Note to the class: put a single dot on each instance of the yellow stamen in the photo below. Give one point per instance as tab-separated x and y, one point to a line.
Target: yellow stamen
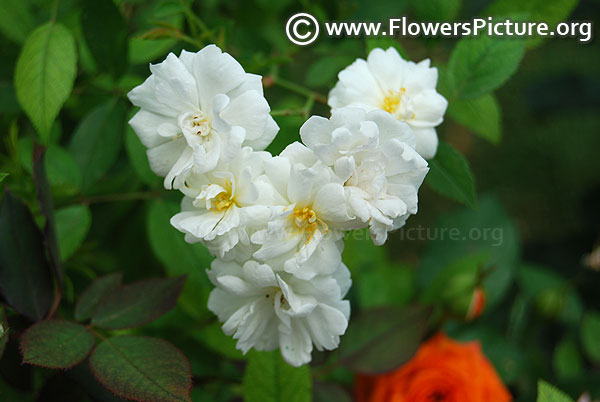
223	201
392	101
306	220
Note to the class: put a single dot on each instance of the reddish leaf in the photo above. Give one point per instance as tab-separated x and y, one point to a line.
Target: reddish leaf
94	294
25	279
382	339
56	344
142	369
138	303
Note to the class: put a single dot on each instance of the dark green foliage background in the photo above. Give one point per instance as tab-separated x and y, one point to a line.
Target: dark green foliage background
532	150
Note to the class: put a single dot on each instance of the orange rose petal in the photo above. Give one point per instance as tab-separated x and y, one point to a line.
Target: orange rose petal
442	370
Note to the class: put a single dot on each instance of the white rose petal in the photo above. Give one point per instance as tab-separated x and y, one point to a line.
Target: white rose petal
220	208
265	309
199	109
372	154
403	88
305	228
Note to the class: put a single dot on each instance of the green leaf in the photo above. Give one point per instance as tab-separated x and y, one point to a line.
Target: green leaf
16	20
548	393
97	141
143	50
550	12
25	153
136	151
105	32
535	279
142	369
44	75
4	331
330	392
471	232
63	173
56	344
139	303
566	360
590	336
458	278
379	340
25	280
384	285
94	294
451	176
270	379
552	297
325	69
482	64
72	225
179	257
82	375
519	317
3	176
480	115
377	281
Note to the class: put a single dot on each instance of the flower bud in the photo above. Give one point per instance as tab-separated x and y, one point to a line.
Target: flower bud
477	304
464	296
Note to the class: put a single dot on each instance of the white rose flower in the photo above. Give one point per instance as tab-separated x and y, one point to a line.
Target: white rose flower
304	233
404	89
221	206
264	309
372	154
197	109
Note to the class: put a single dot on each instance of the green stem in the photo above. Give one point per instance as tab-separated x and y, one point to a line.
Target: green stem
309	93
195	22
310	102
288	112
54	11
303	111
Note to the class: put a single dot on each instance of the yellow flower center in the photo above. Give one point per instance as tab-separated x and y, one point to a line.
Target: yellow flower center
391	102
223	201
307	221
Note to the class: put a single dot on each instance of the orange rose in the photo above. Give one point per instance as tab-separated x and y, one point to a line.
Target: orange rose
443	370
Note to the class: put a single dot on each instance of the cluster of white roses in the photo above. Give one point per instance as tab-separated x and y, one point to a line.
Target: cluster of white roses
275	223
